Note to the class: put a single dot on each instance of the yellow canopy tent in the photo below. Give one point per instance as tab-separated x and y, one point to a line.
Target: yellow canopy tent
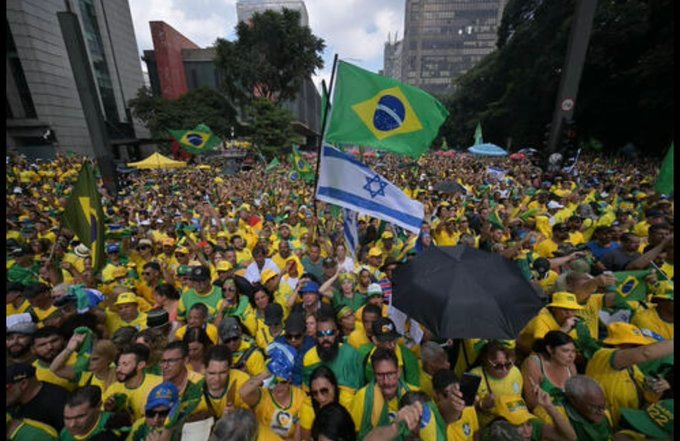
157	161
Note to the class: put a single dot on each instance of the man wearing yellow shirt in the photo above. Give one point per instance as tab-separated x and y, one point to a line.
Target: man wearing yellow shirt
221	385
133	385
246	355
42	308
47	344
659	317
445	234
548	247
461	420
434	359
126	313
198	318
15	302
173	363
151	278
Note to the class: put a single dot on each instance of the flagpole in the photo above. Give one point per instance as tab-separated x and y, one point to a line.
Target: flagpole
321	136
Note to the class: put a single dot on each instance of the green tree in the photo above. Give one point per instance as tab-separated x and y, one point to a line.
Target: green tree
271	128
271	57
202	105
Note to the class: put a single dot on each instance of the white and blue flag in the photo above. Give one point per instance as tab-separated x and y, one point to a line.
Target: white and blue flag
348	183
350	230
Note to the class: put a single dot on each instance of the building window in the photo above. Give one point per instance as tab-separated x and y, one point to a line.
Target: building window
98	58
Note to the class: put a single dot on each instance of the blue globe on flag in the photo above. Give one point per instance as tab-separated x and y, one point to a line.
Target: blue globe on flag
195	139
389	113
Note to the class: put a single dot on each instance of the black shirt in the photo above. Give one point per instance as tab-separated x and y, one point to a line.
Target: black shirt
46	407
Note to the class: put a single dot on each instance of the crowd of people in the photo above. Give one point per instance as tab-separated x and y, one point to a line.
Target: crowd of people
230	307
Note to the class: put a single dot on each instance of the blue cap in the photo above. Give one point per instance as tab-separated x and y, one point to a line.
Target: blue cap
113	248
310	286
165	394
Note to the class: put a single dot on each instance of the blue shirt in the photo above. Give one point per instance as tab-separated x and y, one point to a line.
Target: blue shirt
307	343
599	251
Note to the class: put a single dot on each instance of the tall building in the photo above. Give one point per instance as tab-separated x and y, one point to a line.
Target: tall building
44	111
392	58
443	39
246	8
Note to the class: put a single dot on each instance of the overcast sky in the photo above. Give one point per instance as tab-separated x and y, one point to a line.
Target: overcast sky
354	29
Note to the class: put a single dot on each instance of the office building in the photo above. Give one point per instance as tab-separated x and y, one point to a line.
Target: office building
44	110
443	39
392	58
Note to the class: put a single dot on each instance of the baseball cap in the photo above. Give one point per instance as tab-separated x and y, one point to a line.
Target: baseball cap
126	297
165	394
113	248
384	329
169	241
655	421
144	242
374	290
387	235
20	324
182	250
157	318
200	273
183	270
295	324
309	287
22	250
513	409
374	252
229	328
18	372
224	265
653	213
273	314
267	275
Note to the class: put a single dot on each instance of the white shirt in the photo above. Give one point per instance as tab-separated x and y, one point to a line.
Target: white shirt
253	273
347	265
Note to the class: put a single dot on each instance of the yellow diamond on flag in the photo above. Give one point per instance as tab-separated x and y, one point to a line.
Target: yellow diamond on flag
388	113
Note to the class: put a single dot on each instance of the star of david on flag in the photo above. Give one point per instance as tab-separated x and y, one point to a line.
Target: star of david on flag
346	182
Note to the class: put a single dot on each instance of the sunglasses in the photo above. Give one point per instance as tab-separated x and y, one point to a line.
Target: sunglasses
157	413
507	365
320	392
293	336
326	333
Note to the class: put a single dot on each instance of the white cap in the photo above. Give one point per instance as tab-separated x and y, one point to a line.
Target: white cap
554	204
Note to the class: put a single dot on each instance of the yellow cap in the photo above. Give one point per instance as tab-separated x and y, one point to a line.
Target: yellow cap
514	409
126	297
622	333
374	252
387	235
565	300
224	265
267	275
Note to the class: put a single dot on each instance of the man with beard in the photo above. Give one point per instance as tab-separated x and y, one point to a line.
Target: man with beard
133	384
28	397
20	330
48	342
85	421
341	358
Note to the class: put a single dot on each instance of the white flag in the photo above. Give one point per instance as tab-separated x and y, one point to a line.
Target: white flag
348	183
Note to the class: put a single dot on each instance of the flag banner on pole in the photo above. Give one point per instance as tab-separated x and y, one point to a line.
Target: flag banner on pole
376	111
478	135
664	181
301	168
198	140
350	230
272	165
346	182
84	215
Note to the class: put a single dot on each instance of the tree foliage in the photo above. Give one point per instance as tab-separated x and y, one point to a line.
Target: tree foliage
198	106
271	129
271	57
626	87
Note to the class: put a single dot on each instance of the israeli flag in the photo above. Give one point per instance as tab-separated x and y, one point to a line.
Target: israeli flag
348	183
350	230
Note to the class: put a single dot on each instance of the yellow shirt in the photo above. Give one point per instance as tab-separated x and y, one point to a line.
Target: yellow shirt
210	329
649	319
576	238
546	248
254	365
43	373
236	380
114	322
537	327
510	385
281	420
591	314
465	428
444	239
358	338
11	310
618	386
136	398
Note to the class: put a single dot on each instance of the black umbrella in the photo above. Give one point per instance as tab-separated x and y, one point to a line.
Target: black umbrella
449	187
462	292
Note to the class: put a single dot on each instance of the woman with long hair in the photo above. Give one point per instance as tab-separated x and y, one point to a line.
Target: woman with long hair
323	389
199	343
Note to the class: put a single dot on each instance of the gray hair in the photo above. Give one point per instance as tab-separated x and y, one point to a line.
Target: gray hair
578	386
430	351
238	425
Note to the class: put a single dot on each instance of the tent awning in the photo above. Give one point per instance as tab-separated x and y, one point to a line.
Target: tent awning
157	161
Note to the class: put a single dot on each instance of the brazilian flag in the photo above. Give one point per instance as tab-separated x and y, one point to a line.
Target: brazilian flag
198	140
84	215
664	181
301	168
376	111
631	285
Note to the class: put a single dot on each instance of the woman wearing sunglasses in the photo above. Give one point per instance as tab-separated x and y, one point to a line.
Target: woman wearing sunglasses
500	377
323	390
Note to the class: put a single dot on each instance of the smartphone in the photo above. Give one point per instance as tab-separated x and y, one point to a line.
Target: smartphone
469	384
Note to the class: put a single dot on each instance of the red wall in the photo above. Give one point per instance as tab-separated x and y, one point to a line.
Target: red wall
168	45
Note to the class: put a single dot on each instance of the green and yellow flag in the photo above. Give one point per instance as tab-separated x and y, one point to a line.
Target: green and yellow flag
375	111
84	215
664	181
198	140
301	168
272	165
631	285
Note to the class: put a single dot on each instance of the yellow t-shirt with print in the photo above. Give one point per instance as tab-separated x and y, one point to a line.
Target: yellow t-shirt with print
619	385
236	380
649	319
510	385
591	314
465	428
281	420
136	398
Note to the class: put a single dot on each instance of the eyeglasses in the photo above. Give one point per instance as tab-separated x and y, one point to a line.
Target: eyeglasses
507	365
386	375
157	413
171	360
293	336
326	333
320	392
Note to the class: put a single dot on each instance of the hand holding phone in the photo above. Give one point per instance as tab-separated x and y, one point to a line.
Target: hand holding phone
469	384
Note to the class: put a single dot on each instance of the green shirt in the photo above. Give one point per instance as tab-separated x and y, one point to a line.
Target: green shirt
346	366
355	302
191	297
25	276
96	431
30	430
